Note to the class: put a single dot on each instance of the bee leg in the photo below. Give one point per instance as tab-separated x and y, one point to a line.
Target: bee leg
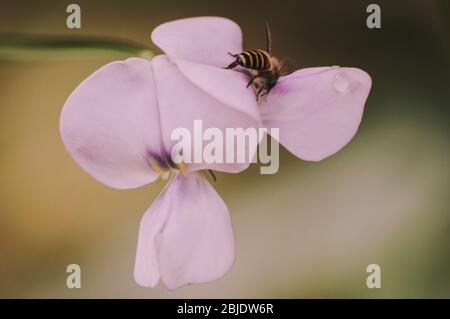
264	94
235	63
252	80
232	65
258	93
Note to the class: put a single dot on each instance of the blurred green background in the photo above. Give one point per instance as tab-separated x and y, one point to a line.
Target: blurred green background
308	231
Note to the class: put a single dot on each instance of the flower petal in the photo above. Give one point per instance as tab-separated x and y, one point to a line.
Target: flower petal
317	110
110	124
197	242
185	236
219	98
203	40
146	269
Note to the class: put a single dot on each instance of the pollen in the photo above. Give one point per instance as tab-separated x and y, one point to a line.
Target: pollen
165	172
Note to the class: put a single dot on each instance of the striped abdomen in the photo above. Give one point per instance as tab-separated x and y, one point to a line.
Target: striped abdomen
254	59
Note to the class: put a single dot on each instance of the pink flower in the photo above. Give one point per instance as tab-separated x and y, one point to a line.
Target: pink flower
117	126
317	110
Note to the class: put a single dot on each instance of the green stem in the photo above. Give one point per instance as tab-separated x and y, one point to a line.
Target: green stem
213	175
32	47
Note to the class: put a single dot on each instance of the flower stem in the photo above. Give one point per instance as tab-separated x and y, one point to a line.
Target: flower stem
213	175
32	47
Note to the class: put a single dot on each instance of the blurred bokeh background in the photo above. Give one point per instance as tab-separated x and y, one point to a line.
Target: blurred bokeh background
308	231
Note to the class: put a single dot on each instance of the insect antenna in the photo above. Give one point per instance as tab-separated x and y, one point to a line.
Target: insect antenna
268	39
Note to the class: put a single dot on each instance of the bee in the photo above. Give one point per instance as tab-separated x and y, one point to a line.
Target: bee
262	68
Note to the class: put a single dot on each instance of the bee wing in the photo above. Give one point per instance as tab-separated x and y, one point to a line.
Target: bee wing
317	110
204	40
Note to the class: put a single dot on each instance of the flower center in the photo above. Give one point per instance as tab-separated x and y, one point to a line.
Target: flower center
165	171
